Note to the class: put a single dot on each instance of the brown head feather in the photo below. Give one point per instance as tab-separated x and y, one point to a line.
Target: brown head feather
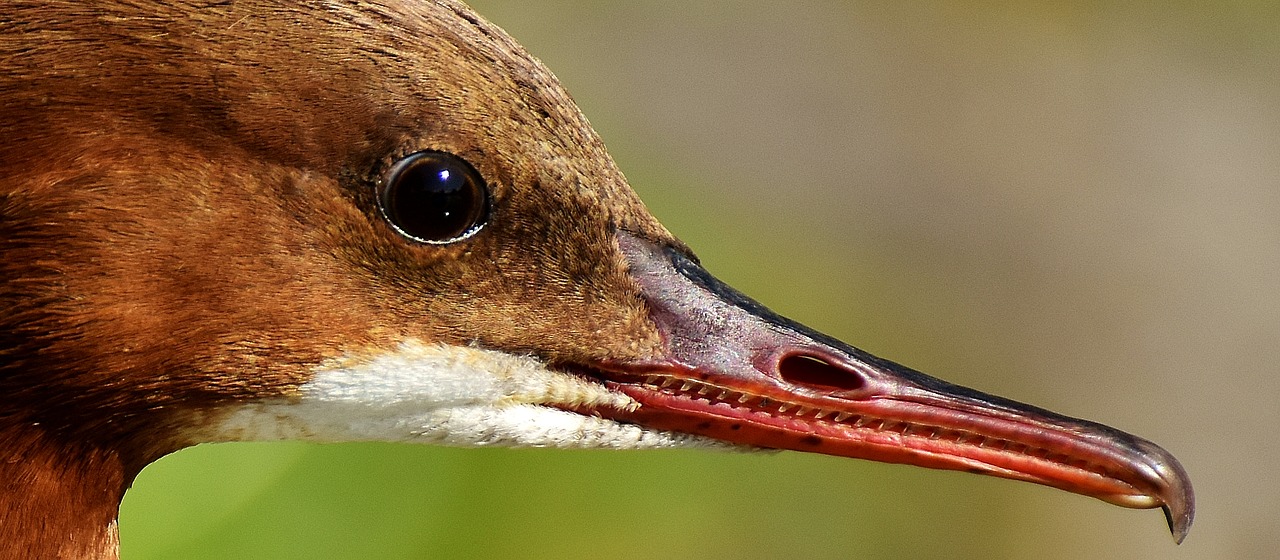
187	214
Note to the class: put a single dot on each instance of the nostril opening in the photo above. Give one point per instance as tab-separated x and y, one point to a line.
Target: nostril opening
817	373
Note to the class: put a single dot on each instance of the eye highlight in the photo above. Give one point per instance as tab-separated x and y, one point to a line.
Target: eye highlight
434	197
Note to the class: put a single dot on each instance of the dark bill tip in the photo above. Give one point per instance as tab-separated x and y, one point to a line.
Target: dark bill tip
1179	500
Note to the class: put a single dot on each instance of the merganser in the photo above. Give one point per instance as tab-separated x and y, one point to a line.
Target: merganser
384	220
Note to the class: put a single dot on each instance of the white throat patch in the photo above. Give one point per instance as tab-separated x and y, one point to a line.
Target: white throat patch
446	395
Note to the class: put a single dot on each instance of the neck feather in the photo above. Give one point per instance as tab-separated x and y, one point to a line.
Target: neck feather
57	501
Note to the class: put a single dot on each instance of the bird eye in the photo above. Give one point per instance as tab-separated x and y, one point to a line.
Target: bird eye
434	197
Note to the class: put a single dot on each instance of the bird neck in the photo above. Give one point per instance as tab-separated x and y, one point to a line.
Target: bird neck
58	501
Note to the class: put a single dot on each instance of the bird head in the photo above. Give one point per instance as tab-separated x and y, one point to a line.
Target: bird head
386	221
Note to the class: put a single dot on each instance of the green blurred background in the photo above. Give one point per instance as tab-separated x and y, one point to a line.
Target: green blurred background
1071	204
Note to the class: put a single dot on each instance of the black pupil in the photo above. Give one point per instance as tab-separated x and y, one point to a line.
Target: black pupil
434	197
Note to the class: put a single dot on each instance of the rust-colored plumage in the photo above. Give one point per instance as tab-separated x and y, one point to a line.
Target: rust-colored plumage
185	216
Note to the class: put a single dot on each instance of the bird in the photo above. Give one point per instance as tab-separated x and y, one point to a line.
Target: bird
384	220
